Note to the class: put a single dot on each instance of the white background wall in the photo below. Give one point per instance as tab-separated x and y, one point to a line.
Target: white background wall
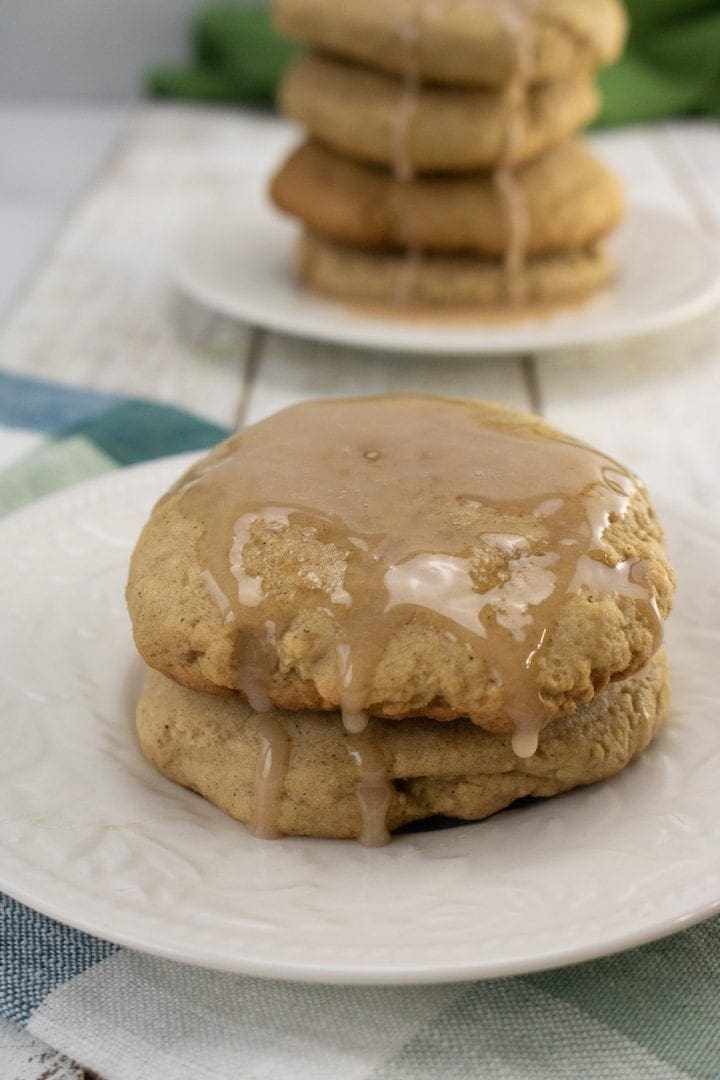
70	49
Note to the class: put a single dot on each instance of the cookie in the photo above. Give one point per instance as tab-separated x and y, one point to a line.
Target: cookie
213	745
357	111
426	281
570	200
460	42
403	556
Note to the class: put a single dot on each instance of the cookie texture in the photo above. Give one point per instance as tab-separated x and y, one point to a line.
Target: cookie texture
460	42
211	745
595	636
356	111
571	200
432	281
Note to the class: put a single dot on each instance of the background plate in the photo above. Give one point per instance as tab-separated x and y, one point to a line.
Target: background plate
239	263
91	835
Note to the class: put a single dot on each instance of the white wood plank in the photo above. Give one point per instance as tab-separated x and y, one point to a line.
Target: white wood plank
205	147
101	312
290	370
651	403
694	148
49	153
26	229
635	154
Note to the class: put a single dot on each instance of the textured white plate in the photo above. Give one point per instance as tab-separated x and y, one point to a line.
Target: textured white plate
90	834
239	263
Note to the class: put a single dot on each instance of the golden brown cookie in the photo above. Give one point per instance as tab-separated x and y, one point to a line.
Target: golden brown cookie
356	111
402	556
460	42
571	200
212	745
426	281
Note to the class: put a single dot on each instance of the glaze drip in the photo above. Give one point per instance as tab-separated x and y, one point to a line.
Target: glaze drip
409	31
270	773
517	19
409	28
373	790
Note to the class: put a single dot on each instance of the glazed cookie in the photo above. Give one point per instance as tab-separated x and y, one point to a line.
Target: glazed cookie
420	768
355	110
403	556
458	42
429	281
570	198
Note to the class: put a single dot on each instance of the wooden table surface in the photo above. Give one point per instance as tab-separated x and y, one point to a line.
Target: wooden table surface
98	309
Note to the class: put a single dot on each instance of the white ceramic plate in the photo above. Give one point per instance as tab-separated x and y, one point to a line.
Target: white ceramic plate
239	263
90	834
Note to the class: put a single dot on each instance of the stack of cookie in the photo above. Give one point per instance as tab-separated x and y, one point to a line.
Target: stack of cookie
368	612
442	167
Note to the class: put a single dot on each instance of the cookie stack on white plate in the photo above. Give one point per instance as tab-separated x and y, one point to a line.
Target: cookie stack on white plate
441	166
367	612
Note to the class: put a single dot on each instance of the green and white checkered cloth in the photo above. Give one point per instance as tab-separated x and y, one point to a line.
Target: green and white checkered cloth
651	1013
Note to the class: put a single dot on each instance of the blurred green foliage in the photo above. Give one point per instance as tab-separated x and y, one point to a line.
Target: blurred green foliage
671	65
237	57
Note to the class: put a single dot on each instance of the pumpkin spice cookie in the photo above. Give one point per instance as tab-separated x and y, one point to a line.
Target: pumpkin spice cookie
357	111
400	557
218	747
460	42
441	126
570	201
429	281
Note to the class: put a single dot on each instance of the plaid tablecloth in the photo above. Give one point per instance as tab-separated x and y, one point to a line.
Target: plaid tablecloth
652	1013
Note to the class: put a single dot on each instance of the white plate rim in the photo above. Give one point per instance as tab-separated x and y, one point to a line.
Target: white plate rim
363	332
159	472
327	974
